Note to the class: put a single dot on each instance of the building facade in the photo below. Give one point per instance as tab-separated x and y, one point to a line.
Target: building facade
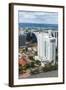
46	47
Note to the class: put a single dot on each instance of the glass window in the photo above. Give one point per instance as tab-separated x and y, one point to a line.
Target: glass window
52	51
53	40
45	48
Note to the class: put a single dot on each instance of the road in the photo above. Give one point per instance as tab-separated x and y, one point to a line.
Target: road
45	74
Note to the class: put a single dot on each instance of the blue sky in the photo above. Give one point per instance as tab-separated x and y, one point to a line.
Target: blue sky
38	17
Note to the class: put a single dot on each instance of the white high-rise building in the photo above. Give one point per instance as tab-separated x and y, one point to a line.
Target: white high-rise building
46	47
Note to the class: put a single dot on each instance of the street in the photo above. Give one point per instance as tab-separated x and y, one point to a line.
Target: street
44	75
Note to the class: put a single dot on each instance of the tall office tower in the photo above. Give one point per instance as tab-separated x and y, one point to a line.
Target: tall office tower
46	47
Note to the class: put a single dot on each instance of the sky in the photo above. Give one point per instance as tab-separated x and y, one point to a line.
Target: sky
38	17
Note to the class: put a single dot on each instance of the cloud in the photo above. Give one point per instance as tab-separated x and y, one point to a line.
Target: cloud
26	15
38	17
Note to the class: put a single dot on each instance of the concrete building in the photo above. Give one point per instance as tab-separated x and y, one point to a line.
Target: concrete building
46	47
54	33
22	39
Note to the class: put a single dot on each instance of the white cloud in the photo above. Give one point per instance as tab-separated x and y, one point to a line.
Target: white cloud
38	17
